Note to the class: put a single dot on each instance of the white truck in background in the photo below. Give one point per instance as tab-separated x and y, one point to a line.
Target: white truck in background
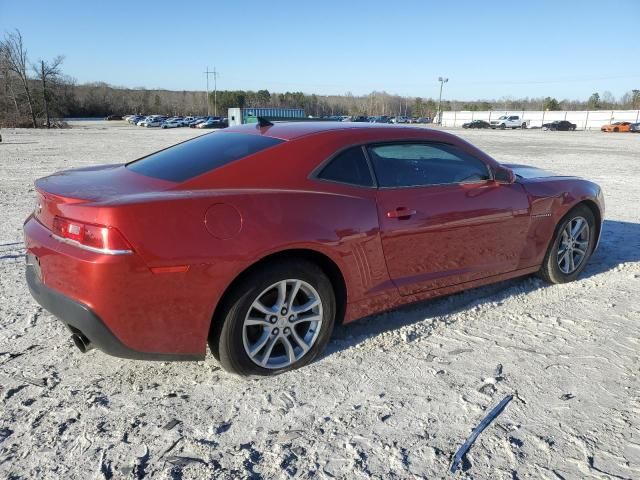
508	121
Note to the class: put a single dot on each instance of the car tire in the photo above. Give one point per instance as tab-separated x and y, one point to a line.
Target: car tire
503	126
616	129
237	334
554	268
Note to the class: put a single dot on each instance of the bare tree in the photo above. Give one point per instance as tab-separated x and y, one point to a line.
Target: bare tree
16	58
7	80
47	73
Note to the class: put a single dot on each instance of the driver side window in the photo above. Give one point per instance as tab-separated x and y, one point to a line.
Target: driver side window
424	164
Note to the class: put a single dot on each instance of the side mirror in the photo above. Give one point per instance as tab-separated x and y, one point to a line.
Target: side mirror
504	175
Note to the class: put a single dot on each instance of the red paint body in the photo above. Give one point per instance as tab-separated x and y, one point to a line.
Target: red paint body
224	221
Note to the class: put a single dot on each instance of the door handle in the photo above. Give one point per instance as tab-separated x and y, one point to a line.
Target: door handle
401	213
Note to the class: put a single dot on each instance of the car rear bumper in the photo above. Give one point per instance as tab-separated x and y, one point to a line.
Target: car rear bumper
80	319
116	301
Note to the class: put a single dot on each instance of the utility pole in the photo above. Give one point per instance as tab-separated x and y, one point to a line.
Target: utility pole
442	81
215	74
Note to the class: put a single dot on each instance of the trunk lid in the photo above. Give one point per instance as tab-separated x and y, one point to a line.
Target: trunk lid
57	192
98	183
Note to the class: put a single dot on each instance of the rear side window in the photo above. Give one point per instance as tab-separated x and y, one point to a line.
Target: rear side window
200	155
350	167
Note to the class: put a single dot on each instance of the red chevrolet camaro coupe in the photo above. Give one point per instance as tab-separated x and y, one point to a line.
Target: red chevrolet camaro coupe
259	238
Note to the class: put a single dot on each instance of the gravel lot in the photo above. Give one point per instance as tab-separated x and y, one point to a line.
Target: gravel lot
394	396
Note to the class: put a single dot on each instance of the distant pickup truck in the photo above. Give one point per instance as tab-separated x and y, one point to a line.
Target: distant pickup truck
508	121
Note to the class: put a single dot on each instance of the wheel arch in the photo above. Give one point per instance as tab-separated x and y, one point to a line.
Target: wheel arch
328	266
593	206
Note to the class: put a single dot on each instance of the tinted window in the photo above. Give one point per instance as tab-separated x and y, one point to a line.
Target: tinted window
413	164
349	166
195	157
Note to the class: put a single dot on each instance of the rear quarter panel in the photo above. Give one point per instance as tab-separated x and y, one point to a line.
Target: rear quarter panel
170	229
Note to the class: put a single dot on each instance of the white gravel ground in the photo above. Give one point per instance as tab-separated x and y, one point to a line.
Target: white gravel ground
394	396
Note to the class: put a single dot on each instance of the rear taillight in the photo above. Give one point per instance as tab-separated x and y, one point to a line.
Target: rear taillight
97	238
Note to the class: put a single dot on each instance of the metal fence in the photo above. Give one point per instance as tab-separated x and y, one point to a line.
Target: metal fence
584	120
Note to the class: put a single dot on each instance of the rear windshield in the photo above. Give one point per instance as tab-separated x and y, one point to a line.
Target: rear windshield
200	155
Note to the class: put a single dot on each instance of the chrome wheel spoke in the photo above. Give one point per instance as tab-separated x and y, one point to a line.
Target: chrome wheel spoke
579	226
312	318
291	354
282	295
261	308
300	341
268	349
306	307
262	341
257	321
294	292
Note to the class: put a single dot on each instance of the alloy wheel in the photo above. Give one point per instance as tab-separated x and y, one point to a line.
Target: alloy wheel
574	242
282	324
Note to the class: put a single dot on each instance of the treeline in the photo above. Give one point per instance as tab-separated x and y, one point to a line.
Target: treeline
36	94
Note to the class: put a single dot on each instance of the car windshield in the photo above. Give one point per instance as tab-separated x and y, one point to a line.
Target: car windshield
502	117
200	155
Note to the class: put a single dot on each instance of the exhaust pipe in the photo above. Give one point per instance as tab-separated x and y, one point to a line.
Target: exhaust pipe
82	342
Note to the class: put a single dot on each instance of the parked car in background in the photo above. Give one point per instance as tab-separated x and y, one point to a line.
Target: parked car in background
508	121
134	119
197	122
138	266
381	119
154	122
616	127
212	122
172	123
359	118
113	117
634	127
562	125
424	120
400	119
476	124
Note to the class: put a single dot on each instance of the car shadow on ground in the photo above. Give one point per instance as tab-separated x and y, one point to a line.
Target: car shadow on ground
619	244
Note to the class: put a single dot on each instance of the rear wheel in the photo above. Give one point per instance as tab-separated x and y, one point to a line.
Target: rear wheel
572	246
280	318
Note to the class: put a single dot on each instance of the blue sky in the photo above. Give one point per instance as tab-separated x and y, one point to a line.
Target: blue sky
488	49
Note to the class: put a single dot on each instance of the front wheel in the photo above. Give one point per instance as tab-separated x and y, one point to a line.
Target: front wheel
503	126
571	247
279	318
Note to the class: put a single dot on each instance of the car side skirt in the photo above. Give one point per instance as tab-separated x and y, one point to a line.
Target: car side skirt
391	299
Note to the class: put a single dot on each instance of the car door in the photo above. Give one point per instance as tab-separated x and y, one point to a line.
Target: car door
443	219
